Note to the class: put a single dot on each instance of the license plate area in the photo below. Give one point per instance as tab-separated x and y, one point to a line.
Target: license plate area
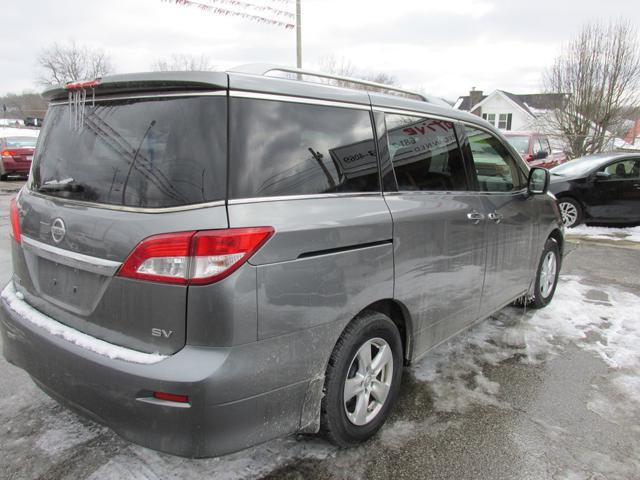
68	287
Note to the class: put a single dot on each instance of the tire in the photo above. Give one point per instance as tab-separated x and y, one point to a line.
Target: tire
4	177
346	423
546	275
571	212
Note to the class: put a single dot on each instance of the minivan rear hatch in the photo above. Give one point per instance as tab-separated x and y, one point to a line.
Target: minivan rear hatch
109	172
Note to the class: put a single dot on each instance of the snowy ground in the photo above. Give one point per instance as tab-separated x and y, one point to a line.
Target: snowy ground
553	393
631	234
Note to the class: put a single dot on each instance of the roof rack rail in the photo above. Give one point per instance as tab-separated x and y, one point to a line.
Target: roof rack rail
263	68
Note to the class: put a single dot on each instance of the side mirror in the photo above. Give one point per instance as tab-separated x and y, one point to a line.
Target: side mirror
602	176
542	154
538	181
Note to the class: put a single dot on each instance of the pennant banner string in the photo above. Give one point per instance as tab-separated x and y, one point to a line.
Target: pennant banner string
233	13
253	6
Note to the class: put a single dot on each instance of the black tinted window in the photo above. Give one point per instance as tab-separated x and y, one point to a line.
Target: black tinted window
151	153
495	168
425	154
623	170
280	148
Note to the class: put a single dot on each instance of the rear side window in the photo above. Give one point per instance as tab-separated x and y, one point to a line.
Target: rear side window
496	169
135	153
425	154
281	148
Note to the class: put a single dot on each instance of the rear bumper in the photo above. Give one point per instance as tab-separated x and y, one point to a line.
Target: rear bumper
11	166
225	414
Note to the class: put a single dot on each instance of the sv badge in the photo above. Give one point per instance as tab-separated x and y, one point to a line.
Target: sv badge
159	332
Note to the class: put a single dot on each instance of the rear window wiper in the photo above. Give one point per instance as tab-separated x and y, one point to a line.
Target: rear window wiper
65	185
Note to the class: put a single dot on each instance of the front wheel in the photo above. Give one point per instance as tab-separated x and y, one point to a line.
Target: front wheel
546	275
362	380
571	212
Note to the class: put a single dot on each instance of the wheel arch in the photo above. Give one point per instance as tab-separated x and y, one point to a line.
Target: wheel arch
557	236
575	198
400	316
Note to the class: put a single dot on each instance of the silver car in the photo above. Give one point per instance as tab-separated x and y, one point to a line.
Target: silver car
205	261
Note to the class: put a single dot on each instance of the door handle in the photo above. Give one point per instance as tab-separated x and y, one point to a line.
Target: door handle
475	217
495	217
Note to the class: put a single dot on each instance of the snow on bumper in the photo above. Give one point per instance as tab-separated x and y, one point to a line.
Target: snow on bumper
13	301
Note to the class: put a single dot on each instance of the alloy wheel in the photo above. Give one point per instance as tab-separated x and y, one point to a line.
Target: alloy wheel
548	274
368	381
569	213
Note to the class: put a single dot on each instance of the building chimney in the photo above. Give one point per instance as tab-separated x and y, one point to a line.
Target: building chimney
475	97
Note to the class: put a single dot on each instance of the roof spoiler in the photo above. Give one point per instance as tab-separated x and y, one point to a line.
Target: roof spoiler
140	82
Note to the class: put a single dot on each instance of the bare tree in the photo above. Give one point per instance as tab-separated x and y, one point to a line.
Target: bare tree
183	62
23	105
71	62
599	71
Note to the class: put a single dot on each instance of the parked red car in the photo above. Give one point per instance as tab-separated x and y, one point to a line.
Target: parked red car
16	153
535	149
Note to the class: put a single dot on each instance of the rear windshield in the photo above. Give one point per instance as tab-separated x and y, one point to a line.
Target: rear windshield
136	153
21	142
520	143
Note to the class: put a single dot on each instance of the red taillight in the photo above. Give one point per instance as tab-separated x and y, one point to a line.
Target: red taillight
15	221
194	258
8	153
161	258
171	397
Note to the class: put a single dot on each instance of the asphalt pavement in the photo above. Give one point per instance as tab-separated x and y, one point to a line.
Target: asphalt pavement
553	394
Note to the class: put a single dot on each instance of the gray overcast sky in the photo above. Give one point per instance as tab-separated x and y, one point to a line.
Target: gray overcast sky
444	47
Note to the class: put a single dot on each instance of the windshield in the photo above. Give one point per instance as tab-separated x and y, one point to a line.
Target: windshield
138	153
21	142
520	143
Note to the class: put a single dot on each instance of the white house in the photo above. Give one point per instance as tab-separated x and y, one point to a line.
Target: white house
508	111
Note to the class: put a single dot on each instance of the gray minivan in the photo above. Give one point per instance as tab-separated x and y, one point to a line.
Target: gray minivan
205	261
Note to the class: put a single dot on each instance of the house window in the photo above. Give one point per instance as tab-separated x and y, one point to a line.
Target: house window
490	117
504	121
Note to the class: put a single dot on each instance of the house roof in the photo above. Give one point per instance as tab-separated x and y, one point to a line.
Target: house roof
464	103
537	101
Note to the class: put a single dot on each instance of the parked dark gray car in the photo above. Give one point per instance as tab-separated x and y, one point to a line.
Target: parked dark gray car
205	261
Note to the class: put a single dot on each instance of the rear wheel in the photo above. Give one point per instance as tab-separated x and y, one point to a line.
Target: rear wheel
571	212
4	177
546	275
362	380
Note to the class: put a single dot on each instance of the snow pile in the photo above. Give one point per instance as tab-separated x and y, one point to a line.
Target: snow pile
37	318
601	320
631	234
455	370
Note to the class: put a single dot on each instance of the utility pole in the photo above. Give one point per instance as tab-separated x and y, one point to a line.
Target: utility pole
298	34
